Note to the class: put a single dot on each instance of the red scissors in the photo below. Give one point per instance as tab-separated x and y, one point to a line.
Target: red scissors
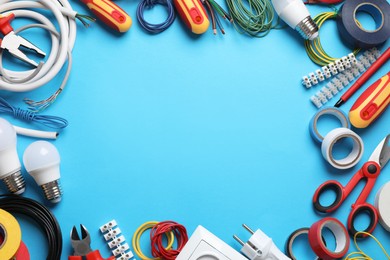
369	172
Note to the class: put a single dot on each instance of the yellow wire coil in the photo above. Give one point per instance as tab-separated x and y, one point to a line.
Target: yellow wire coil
137	237
360	255
314	48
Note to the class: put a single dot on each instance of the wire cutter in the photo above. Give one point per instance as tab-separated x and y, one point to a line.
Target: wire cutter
12	42
369	172
82	247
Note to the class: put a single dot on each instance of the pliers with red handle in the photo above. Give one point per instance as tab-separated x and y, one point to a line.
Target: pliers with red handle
82	247
12	42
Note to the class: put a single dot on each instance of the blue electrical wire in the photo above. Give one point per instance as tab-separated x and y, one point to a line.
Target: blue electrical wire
160	27
49	121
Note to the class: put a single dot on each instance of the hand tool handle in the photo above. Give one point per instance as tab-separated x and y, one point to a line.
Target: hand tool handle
193	14
326	186
371	103
366	209
95	255
364	77
5	24
110	14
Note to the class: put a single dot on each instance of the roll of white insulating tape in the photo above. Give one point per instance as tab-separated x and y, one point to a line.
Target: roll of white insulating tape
332	138
382	203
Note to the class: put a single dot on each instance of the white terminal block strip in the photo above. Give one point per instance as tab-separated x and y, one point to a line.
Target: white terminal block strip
348	68
204	245
115	241
260	247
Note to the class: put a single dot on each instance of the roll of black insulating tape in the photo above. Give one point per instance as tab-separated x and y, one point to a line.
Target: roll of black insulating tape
356	36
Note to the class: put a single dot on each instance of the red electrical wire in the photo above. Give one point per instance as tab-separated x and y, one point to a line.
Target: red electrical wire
156	239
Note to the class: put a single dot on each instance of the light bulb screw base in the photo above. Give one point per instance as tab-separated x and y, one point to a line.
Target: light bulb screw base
15	182
52	191
307	28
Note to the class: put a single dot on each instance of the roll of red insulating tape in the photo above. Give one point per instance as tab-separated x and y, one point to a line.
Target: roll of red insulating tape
318	244
354	34
22	253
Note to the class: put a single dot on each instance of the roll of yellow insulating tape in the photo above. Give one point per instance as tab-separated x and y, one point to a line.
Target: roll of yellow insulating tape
11	234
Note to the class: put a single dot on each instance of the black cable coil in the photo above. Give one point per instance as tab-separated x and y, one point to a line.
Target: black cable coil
15	204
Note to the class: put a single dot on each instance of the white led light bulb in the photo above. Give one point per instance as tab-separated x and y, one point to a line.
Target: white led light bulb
9	161
42	161
296	15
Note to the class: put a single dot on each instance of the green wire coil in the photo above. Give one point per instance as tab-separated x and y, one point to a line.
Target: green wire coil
256	17
314	48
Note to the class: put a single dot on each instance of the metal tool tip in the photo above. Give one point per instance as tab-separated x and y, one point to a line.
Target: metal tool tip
238	240
248	228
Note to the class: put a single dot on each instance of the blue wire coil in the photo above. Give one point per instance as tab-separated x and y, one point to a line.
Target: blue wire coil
29	116
160	27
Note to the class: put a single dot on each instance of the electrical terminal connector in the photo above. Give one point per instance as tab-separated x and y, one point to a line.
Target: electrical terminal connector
327	92
349	75
332	88
116	241
360	67
344	79
322	97
371	58
366	63
333	68
316	101
326	72
338	84
313	79
260	246
352	59
375	52
355	71
121	251
112	233
346	62
306	81
320	75
339	65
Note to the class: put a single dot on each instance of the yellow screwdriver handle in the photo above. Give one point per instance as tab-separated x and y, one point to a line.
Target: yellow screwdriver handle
110	14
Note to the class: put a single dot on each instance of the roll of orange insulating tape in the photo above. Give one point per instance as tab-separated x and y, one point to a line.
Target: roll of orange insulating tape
11	234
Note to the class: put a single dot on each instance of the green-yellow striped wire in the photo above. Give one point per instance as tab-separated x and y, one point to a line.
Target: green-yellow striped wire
256	17
314	48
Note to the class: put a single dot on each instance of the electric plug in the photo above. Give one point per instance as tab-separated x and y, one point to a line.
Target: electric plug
260	246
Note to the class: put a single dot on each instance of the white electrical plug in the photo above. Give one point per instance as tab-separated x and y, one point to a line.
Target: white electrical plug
260	246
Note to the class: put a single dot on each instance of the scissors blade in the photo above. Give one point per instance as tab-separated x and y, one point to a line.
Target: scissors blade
381	154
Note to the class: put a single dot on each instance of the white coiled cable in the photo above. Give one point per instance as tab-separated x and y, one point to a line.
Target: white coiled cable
61	47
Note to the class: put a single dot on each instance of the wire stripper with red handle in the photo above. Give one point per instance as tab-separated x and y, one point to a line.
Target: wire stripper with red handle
82	247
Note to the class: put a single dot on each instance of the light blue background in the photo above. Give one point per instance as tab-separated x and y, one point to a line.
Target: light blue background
203	130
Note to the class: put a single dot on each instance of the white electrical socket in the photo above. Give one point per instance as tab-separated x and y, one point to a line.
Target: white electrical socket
204	245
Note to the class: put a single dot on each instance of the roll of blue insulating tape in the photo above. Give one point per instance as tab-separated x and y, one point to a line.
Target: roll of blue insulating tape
354	34
333	111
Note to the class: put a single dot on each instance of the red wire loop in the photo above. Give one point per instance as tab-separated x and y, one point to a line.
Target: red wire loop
156	239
